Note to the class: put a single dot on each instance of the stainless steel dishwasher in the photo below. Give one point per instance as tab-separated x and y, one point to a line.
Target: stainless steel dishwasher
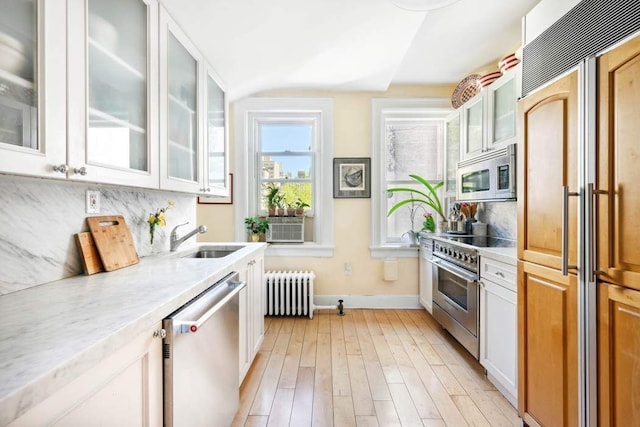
200	354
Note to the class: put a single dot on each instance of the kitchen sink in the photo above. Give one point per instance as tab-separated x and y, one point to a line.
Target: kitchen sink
213	251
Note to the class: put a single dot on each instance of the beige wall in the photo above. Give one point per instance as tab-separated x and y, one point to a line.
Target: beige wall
352	134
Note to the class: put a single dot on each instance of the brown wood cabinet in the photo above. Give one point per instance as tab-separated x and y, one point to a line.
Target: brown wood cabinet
618	177
548	160
547	300
618	260
547	346
618	356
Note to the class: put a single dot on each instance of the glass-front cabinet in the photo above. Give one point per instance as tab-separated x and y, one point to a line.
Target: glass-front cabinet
181	132
451	152
216	163
120	95
502	97
113	91
489	118
30	102
473	117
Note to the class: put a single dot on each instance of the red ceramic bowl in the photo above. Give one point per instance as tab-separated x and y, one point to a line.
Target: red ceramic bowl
489	78
508	62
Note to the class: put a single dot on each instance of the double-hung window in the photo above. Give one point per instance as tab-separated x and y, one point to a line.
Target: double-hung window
407	139
287	147
287	143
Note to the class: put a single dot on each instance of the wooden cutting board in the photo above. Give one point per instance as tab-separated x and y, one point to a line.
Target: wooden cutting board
113	240
89	253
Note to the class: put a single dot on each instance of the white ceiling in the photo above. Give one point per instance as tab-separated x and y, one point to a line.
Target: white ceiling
257	45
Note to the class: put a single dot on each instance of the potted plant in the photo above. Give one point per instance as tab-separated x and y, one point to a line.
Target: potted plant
299	206
281	204
256	226
272	197
428	196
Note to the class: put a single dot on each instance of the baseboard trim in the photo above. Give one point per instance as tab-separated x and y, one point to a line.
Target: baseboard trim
369	301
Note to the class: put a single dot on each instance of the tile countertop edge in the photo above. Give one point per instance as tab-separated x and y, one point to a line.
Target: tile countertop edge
108	312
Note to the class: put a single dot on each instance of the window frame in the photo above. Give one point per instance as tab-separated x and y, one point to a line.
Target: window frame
248	113
397	108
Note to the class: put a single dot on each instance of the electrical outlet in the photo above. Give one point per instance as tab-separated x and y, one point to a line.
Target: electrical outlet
347	269
93	201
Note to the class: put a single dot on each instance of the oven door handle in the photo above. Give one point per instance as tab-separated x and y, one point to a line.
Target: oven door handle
454	269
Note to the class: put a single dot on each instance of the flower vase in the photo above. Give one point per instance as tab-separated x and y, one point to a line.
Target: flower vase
255	237
442	227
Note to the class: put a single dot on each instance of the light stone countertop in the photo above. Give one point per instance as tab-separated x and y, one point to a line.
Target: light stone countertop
54	332
506	255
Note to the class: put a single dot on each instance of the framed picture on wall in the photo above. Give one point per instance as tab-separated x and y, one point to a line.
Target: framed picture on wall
352	177
217	200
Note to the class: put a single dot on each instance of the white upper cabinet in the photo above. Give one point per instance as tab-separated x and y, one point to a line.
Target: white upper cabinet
474	130
120	96
113	91
216	159
451	152
181	130
32	87
502	99
489	119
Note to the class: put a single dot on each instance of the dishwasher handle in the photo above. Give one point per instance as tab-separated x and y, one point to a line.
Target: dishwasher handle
192	326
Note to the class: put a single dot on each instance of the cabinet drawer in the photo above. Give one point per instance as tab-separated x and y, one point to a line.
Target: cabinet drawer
498	272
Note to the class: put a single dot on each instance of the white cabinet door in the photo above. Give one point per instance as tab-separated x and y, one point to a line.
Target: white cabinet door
244	330
181	124
474	113
33	113
251	312
426	283
498	337
257	283
502	96
113	91
123	390
216	158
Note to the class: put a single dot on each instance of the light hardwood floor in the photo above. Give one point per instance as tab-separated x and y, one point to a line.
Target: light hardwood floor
367	368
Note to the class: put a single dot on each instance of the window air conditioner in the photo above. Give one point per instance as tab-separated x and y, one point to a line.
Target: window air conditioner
286	229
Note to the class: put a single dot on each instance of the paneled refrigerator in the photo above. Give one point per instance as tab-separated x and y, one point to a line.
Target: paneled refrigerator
579	243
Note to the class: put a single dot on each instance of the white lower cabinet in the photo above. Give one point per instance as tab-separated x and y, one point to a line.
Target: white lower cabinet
251	312
426	284
498	325
125	389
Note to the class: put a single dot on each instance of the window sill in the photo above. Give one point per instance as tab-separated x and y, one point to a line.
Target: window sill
394	251
307	249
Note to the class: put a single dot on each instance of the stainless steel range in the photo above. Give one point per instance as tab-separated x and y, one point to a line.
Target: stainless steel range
456	270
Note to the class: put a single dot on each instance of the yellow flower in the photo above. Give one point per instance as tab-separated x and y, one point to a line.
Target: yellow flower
159	218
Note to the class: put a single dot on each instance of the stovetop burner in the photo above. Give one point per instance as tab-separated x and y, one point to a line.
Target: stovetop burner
482	241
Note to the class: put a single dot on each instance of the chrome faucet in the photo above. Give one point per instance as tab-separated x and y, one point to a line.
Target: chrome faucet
174	242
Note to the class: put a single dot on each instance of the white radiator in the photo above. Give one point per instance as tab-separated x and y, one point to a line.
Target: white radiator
289	293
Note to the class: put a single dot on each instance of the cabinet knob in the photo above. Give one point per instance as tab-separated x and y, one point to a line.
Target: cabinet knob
160	333
80	171
61	168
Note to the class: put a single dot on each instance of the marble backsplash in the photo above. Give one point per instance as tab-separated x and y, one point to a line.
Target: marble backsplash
39	217
501	217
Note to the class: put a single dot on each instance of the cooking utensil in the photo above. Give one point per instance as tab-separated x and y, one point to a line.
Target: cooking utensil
89	253
113	240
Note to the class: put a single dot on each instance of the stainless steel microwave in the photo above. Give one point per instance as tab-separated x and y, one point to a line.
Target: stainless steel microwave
489	177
